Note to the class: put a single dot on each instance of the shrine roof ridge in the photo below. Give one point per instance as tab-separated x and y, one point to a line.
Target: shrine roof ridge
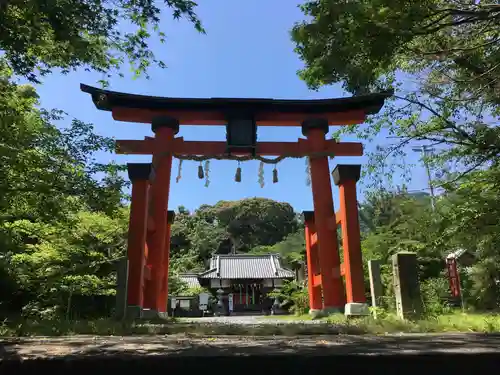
107	100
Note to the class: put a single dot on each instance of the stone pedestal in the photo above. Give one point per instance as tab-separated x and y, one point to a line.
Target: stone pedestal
356	309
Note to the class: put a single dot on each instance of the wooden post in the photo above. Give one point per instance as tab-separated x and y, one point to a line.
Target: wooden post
165	129
375	283
346	176
139	175
166	260
406	285
324	214
313	270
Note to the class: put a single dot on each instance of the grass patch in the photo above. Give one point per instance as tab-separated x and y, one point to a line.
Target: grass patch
114	328
334	324
454	322
301	317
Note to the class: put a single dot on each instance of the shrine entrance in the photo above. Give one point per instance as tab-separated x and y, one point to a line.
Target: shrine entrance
150	219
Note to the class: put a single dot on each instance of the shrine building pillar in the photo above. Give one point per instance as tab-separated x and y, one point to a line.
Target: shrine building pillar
165	128
324	214
346	176
166	260
313	270
139	175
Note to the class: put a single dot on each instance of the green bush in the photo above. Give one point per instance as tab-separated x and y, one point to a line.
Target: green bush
294	295
434	292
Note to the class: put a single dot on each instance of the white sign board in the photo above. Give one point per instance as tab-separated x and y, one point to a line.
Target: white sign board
203	301
184	303
230	301
173	303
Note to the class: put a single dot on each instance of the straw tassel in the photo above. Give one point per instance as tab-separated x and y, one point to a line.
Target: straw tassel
275	175
201	174
237	176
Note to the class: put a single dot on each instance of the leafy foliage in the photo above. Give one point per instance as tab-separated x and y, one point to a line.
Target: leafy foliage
60	226
465	217
226	227
292	249
440	56
442	59
293	296
38	36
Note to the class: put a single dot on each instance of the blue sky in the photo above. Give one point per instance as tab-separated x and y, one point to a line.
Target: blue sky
247	52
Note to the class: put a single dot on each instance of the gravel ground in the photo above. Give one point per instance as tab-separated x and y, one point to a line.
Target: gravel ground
181	345
248	320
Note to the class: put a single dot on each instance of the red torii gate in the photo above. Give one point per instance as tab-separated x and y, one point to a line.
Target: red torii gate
150	220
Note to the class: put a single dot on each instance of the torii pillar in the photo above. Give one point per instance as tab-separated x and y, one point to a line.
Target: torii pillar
325	223
313	269
345	177
139	175
166	261
165	128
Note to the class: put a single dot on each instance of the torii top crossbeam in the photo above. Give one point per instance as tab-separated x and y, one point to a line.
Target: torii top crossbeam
215	111
241	116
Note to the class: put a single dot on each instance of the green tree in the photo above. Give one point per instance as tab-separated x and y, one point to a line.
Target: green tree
470	221
66	260
440	56
442	59
60	226
403	223
46	172
255	221
234	226
292	249
38	36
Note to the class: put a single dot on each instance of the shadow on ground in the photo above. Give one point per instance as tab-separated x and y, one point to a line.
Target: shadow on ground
133	346
288	354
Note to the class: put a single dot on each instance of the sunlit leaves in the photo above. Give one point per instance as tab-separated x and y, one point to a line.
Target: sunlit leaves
62	219
38	36
229	226
443	59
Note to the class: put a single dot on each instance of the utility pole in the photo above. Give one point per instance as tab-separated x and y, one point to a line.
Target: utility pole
425	151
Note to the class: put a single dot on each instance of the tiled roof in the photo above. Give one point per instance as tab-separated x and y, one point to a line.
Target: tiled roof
246	267
457	254
191	279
